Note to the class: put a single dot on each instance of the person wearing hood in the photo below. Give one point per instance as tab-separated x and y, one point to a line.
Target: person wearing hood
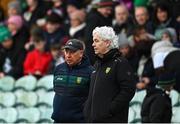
71	84
156	106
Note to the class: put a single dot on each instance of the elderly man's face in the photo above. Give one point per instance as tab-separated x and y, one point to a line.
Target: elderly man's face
141	16
73	57
100	46
121	14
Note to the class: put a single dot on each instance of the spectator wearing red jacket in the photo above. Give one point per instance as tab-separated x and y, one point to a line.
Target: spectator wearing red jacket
37	61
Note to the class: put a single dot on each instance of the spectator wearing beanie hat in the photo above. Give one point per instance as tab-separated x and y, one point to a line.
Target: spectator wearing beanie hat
16	26
15	23
54	29
157	107
14	8
10	64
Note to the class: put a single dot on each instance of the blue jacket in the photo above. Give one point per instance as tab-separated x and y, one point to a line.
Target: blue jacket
71	86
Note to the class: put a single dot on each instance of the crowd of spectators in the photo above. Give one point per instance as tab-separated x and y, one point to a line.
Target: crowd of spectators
32	33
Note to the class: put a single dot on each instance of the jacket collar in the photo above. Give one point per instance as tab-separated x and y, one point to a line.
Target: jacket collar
109	55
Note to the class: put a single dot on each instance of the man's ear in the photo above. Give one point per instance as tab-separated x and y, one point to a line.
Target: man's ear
108	43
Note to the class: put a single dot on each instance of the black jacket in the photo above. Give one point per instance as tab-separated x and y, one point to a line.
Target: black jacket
93	20
111	89
156	107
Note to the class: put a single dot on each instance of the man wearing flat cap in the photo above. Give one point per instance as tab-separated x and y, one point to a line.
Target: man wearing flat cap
71	84
100	15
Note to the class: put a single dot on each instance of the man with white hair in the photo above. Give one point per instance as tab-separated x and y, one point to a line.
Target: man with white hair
112	83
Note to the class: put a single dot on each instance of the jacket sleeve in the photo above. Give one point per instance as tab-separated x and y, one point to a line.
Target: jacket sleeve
126	82
29	63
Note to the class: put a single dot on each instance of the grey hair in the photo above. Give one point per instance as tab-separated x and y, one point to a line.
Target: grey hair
107	33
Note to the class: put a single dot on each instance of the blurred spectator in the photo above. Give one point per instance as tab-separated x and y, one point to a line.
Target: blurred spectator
54	29
169	34
127	50
157	107
159	51
57	56
142	19
123	22
77	25
36	10
163	19
145	69
37	61
101	15
19	33
14	8
12	56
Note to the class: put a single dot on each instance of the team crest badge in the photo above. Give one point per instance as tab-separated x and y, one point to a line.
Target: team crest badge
79	80
108	69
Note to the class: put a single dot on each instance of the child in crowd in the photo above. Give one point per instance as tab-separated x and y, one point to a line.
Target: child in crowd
37	61
57	56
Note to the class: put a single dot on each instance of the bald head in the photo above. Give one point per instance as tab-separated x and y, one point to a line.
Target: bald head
121	13
141	15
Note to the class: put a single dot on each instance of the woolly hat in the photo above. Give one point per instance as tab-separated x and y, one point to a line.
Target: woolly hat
17	20
123	40
171	32
15	5
54	16
5	34
166	79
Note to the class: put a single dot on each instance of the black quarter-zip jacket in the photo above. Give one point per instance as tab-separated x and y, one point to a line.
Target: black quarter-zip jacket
111	89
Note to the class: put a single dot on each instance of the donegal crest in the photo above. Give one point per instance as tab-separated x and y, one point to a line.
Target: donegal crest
78	80
108	69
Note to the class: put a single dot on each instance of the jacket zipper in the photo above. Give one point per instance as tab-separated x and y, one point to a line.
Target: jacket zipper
92	105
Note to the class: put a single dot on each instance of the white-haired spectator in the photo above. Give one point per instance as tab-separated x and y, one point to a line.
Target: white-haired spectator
107	34
111	81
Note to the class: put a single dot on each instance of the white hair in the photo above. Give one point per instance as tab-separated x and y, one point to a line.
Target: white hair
107	33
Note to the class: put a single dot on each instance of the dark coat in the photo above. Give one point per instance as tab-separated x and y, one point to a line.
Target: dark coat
55	37
71	86
94	19
126	28
16	55
111	89
156	107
